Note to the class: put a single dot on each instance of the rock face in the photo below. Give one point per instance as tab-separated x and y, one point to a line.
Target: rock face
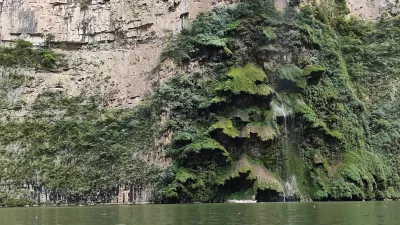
373	9
112	46
120	40
116	40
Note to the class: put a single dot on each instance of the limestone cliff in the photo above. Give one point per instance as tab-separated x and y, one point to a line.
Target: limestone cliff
111	49
114	39
120	40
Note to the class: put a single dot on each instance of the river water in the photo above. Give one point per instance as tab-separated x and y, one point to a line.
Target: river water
329	213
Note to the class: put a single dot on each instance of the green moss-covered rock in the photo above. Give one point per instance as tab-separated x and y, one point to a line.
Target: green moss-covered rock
269	32
22	54
310	70
261	177
325	118
264	132
294	74
208	144
227	128
244	80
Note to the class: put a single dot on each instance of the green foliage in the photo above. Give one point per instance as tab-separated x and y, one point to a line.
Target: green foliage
23	54
49	38
294	74
255	173
268	185
270	32
242	168
334	126
206	143
336	110
227	128
361	176
233	26
72	147
264	132
312	69
244	80
182	175
207	30
14	198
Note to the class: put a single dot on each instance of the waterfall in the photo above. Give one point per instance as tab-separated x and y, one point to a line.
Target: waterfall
284	117
290	188
280	111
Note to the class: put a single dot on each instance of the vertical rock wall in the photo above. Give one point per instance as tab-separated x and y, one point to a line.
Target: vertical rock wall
114	45
114	40
118	41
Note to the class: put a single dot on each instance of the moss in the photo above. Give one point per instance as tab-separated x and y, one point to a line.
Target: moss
22	54
243	170
294	74
366	171
264	132
256	173
310	117
96	139
182	175
268	185
219	43
340	109
227	128
308	114
269	32
219	99
312	69
206	143
244	80
233	26
339	141
243	115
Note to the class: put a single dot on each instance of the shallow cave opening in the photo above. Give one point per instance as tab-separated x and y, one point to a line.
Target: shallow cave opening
268	196
314	79
239	184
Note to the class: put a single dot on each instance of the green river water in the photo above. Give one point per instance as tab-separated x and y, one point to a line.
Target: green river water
332	213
